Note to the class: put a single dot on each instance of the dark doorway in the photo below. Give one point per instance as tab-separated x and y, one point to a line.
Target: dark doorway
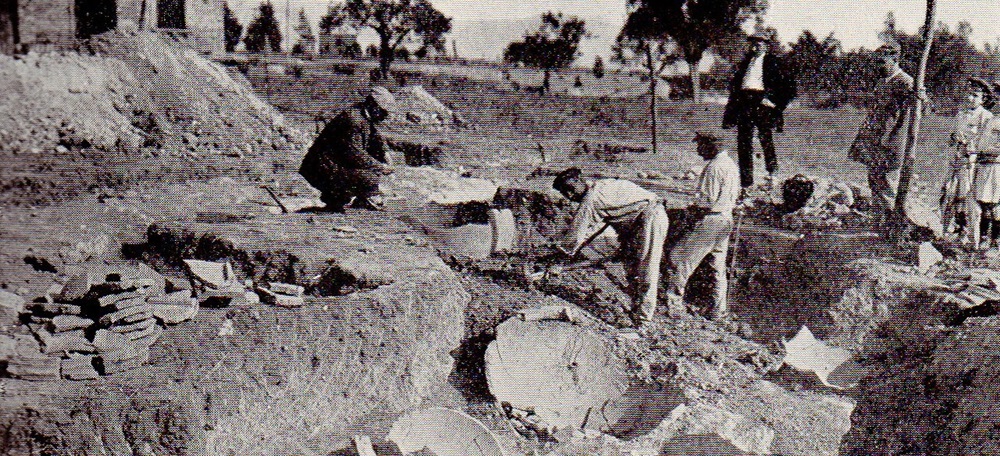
8	26
95	16
170	14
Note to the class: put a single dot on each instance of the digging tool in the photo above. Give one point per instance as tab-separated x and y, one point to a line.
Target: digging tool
284	210
584	263
730	274
593	237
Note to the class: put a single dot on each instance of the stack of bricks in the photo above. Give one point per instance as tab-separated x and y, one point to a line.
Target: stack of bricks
98	323
125	331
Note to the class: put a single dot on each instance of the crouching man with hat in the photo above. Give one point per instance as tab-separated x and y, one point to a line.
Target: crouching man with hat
718	192
348	158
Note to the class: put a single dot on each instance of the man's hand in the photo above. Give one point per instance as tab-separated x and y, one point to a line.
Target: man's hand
768	104
567	253
922	95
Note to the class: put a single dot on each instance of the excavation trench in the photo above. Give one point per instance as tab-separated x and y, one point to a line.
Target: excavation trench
853	293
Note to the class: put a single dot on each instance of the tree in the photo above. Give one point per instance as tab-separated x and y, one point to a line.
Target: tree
809	56
901	221
553	46
396	21
695	25
952	60
642	40
598	67
263	30
306	40
232	29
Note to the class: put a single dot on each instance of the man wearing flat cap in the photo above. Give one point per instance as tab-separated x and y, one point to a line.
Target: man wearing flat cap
718	192
637	216
759	92
881	140
348	158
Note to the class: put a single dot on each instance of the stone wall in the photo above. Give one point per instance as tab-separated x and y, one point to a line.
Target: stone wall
204	23
52	24
47	25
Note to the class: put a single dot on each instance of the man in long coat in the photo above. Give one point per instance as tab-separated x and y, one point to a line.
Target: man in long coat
348	158
881	140
759	92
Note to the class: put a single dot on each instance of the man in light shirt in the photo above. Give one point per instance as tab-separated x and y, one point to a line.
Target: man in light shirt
759	92
718	192
637	216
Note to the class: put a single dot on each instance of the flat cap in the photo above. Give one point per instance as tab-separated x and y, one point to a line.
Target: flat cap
704	138
889	50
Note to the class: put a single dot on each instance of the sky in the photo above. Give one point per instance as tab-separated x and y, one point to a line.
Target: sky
482	28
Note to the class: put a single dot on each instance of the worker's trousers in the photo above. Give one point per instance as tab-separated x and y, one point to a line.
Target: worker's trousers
642	245
710	237
882	183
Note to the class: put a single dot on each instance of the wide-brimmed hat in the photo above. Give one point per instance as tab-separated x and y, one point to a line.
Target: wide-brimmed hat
980	84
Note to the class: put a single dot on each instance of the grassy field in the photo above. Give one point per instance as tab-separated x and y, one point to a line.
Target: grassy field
511	124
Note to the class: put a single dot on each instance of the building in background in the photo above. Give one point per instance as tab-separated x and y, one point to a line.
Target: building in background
61	24
341	41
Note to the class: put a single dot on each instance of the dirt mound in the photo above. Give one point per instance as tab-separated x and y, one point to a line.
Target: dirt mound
65	118
414	104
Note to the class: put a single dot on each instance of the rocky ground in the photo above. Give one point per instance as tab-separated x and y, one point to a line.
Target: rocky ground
402	305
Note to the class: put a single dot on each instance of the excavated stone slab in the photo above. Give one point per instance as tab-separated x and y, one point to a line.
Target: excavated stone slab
833	365
79	367
175	307
566	373
444	432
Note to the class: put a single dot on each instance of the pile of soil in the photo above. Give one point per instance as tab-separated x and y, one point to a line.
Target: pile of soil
72	122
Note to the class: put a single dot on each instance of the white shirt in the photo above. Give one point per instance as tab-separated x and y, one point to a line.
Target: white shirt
754	78
719	186
607	201
968	124
989	138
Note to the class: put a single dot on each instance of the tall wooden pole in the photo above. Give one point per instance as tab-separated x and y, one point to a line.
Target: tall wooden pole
906	172
652	93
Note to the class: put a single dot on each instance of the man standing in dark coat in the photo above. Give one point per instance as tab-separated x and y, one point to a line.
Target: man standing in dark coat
881	140
758	95
348	158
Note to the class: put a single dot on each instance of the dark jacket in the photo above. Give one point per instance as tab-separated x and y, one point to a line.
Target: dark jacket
779	87
881	140
348	145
